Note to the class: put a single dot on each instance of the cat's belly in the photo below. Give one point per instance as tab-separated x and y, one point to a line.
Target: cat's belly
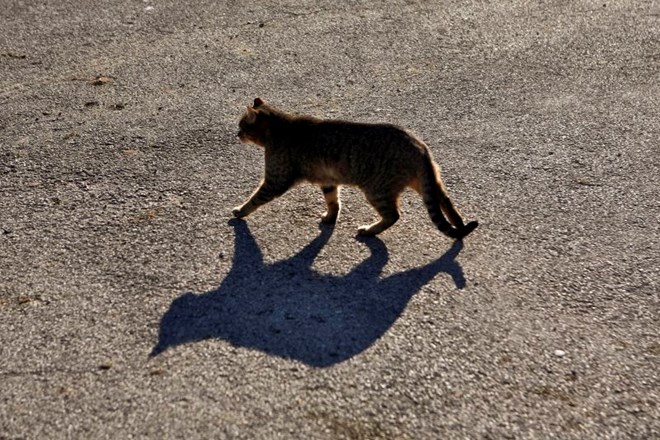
328	175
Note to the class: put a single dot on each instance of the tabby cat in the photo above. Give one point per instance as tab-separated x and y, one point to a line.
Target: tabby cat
380	159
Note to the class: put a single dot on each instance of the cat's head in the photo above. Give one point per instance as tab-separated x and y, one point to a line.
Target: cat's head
254	124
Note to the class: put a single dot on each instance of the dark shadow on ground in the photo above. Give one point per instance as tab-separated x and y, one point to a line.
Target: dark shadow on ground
288	309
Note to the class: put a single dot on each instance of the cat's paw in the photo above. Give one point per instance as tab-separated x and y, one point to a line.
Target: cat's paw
238	212
329	217
366	231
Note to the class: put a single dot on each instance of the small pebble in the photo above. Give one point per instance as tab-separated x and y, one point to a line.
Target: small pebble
560	353
101	80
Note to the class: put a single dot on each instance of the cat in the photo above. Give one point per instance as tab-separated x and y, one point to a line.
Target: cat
380	159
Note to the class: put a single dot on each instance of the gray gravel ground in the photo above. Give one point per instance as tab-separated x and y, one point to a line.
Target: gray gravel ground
130	307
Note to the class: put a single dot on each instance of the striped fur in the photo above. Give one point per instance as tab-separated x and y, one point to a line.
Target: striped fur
380	159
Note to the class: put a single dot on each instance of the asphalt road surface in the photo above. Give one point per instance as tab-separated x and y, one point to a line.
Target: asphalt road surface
132	307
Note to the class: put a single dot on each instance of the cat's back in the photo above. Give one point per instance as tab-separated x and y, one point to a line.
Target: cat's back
357	153
361	138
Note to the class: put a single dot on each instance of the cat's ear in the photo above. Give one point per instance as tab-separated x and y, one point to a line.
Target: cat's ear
257	102
251	115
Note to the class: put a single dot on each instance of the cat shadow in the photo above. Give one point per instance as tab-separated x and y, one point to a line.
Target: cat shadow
290	310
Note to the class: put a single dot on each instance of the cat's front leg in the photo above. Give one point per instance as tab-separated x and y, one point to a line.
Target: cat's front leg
331	194
239	211
266	192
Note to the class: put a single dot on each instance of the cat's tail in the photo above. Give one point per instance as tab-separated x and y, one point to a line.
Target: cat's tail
442	211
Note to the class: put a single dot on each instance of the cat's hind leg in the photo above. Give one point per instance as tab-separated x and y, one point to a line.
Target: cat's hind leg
331	194
388	208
